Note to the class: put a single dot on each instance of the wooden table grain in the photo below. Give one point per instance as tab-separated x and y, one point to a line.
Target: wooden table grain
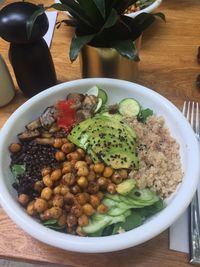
169	66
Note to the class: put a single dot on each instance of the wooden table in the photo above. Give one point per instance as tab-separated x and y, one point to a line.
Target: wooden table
169	66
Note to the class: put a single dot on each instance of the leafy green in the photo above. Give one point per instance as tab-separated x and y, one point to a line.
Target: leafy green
144	114
18	170
53	224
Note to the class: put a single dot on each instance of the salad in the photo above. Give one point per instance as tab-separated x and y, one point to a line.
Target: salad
139	5
75	166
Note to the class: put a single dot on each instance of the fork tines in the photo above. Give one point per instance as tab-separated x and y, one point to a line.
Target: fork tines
191	112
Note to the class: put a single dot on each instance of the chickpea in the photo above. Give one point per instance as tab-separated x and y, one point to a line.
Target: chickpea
58	201
46	193
79	164
45	215
71	220
67	208
99	167
67	167
108	171
77	210
79	231
88	159
60	156
50	203
82	182
81	198
46	171
47	181
116	178
64	140
93	187
123	173
56	175
57	190
103	182
100	195
38	186
91	167
40	205
102	209
14	147
83	220
73	156
64	189
69	198
88	209
30	208
62	220
58	143
73	162
94	201
55	212
75	189
81	152
83	171
23	199
67	148
69	179
91	175
111	188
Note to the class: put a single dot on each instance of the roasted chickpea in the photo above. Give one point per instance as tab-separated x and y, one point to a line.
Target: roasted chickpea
56	175
47	181
79	164
64	140
108	171
81	152
73	156
71	220
40	205
50	203
94	201
103	182
14	147
102	208
69	179
93	187
67	167
67	148
64	189
58	143
55	212
123	173
91	167
46	171
88	209
88	159
38	186
60	156
82	182
83	171
23	199
67	208
62	220
30	208
100	195
83	220
77	210
91	176
111	188
79	231
75	189
99	167
45	215
73	162
69	198
57	190
82	198
116	178
46	193
58	201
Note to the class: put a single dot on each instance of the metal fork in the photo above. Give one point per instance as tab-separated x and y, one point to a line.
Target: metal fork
191	112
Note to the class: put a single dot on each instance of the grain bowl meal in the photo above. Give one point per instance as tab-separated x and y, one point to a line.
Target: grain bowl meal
139	5
91	169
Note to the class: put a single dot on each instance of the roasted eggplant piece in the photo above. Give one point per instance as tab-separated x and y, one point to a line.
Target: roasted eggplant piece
49	116
28	135
33	125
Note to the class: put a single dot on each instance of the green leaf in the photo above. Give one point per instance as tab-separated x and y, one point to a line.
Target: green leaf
101	6
18	170
160	15
153	209
144	114
126	49
77	43
30	22
50	222
111	20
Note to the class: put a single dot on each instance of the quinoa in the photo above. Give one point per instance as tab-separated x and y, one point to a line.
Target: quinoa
159	158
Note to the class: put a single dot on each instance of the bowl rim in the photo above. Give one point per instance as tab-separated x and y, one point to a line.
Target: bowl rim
109	243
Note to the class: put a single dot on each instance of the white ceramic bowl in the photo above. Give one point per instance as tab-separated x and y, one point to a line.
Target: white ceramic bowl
117	90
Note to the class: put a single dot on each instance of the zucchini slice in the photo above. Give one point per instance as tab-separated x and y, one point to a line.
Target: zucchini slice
98	92
129	107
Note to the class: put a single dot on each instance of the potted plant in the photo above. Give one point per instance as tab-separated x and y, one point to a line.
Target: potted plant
104	34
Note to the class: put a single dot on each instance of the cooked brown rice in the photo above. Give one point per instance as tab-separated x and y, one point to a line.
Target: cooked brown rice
158	153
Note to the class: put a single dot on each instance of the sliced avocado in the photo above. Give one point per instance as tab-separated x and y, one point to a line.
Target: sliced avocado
126	186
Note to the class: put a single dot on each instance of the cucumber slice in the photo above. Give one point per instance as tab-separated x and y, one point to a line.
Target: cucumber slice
98	92
129	107
99	105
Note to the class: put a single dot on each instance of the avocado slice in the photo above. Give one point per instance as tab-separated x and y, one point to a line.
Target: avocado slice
126	186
